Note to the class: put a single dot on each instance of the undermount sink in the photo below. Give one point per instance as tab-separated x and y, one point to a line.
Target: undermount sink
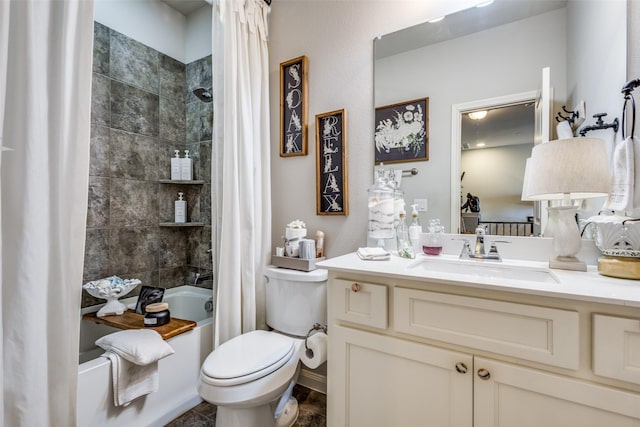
486	270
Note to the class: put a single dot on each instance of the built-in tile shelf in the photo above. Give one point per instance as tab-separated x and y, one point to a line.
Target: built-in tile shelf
180	182
181	224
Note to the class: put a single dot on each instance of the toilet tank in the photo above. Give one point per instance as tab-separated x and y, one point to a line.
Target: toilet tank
295	300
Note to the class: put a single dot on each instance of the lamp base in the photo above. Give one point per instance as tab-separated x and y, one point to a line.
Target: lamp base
620	267
567	263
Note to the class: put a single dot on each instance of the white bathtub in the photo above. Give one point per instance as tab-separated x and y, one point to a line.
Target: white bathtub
178	372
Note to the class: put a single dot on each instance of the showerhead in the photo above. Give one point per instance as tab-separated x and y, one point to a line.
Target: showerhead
203	94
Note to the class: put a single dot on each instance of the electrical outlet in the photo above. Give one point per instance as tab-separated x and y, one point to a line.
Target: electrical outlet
581	114
421	204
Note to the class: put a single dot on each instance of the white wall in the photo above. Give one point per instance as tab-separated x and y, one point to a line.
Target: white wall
198	36
157	25
584	74
337	37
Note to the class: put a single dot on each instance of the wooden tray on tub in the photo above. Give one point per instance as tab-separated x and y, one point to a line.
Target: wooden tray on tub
132	320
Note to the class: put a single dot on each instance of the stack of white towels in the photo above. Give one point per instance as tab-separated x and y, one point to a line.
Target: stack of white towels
134	356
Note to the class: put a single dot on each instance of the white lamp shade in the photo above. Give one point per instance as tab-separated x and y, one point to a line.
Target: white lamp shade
573	167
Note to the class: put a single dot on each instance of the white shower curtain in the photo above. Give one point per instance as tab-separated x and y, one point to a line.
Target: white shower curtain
44	185
241	149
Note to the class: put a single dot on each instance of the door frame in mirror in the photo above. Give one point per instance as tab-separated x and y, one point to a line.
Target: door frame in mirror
457	110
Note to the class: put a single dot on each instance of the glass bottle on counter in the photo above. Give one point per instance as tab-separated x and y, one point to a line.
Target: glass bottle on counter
405	250
432	244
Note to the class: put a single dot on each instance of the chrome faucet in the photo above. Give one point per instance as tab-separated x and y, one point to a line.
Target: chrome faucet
202	277
480	231
479	250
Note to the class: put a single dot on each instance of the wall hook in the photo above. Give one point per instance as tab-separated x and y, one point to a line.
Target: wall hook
571	118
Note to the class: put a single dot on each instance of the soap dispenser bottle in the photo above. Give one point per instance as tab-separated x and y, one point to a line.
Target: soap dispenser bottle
180	209
176	166
415	229
186	170
405	250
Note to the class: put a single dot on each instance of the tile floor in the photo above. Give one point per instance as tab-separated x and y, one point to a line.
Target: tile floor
312	407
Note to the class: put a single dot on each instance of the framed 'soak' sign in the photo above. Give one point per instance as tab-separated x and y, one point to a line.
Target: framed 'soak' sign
331	164
293	107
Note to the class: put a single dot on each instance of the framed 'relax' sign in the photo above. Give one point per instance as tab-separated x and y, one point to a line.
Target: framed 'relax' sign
331	164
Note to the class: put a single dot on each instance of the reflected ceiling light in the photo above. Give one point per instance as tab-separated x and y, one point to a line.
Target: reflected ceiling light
484	3
434	20
480	144
478	115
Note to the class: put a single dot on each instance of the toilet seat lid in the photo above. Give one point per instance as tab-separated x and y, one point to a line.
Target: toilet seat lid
248	357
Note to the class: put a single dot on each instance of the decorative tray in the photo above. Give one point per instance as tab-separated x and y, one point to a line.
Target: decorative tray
295	263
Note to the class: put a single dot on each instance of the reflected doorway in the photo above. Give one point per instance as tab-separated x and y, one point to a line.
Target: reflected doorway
495	137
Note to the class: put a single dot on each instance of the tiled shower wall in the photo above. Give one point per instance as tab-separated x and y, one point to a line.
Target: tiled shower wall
142	109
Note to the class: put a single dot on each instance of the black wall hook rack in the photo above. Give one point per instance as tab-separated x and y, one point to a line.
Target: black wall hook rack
630	86
628	99
600	124
571	118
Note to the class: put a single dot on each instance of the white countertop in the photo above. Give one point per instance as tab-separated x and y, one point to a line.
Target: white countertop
574	285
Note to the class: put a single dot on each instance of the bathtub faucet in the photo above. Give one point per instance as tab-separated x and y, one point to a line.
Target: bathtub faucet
201	277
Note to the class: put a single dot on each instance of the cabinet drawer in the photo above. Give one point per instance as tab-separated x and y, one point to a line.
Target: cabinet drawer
359	302
616	348
528	332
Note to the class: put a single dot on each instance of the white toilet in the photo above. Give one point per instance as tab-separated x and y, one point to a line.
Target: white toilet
248	375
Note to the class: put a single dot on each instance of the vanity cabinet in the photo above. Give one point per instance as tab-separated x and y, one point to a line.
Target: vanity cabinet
408	353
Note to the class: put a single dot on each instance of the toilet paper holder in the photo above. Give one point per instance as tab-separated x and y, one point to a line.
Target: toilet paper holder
316	327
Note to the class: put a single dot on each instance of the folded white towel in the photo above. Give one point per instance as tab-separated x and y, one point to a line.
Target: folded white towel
373	254
140	346
623	197
134	356
131	381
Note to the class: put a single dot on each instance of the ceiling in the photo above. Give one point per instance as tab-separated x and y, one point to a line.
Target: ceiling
461	24
507	125
185	7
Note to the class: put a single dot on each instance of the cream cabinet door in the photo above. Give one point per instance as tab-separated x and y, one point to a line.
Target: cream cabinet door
509	395
380	381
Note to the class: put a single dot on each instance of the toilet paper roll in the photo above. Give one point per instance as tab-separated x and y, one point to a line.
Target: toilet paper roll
564	130
316	352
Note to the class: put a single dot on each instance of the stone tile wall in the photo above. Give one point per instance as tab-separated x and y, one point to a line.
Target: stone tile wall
143	109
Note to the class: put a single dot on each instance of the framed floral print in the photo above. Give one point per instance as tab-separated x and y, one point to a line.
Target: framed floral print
293	107
402	132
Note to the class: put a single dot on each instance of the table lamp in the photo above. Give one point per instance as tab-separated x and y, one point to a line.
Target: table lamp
565	170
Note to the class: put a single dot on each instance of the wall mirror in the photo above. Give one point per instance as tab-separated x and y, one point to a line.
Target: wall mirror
477	56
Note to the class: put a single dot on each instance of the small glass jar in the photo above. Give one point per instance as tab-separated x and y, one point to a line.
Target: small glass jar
432	244
157	314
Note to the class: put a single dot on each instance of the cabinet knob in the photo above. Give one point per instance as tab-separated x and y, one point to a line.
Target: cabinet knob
355	287
461	368
484	374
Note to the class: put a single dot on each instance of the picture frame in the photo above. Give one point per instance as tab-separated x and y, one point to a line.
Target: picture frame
332	194
293	107
402	132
